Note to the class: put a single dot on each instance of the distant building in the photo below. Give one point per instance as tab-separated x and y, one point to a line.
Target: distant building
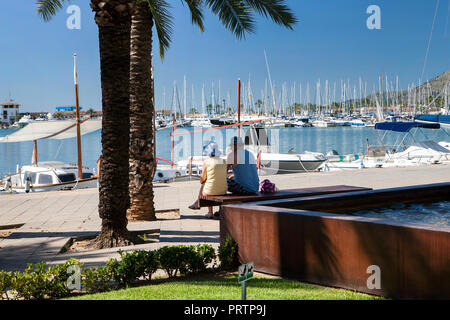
9	112
67	109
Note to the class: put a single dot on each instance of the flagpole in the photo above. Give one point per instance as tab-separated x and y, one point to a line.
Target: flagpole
80	165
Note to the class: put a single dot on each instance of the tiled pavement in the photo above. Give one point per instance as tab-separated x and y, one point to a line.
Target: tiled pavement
50	219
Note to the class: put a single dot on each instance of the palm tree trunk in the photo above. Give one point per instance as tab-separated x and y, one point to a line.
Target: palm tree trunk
114	21
142	142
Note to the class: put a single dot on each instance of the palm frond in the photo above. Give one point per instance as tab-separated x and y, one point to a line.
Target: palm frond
195	7
163	23
235	15
277	10
46	9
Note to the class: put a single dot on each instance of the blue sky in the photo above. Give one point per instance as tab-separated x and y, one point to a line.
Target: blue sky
330	42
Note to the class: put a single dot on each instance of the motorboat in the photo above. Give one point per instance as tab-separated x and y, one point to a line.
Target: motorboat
357	123
48	176
324	123
417	153
201	123
271	162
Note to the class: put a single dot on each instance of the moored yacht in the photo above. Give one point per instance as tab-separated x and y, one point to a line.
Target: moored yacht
48	176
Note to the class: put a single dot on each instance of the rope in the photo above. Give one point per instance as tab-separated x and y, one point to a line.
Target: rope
446	23
429	39
164	160
59	149
209	129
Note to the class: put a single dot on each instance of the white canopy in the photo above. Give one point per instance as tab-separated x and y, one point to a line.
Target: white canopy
58	129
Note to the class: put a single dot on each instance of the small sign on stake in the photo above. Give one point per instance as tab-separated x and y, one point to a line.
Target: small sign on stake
245	274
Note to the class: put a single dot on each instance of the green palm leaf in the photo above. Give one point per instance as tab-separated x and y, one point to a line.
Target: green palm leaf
163	23
46	9
235	15
195	7
276	10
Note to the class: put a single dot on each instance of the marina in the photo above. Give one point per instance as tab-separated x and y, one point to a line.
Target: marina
148	153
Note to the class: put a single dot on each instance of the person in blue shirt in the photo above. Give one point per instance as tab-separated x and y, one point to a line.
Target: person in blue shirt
245	180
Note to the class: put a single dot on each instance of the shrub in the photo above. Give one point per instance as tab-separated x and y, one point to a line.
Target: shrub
32	283
5	284
174	259
133	265
58	276
96	279
185	259
150	263
199	257
228	254
39	283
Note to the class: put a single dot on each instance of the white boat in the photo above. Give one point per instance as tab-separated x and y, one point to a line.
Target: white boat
165	173
270	162
26	119
48	176
324	123
201	123
418	153
342	122
357	123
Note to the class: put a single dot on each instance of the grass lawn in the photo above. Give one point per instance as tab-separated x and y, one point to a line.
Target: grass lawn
210	287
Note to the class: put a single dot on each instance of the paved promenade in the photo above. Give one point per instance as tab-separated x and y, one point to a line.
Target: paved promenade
50	219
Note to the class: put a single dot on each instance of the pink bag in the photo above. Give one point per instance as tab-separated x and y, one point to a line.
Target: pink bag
267	186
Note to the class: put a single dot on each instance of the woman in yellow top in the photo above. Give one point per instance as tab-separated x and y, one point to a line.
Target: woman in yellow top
214	176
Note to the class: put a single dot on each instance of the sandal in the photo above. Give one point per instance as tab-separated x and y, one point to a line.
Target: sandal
208	216
194	206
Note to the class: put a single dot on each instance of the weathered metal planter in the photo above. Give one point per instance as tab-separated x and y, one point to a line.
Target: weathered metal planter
313	240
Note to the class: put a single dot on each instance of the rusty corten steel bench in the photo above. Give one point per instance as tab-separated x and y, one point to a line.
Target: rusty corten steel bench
281	194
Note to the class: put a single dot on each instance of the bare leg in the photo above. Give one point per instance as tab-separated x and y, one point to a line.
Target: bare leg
196	204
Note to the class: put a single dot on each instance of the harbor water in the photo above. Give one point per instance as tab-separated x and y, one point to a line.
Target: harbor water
437	213
345	140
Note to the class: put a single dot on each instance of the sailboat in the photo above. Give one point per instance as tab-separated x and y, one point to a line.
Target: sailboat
49	176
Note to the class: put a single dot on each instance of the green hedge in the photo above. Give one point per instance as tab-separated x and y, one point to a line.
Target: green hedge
42	282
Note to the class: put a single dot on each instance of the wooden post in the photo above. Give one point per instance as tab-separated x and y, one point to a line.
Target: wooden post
80	164
35	153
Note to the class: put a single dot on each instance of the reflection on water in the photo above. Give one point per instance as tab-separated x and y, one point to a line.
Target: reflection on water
345	140
437	213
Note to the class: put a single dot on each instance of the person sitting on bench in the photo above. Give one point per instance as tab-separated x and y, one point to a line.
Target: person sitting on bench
245	180
214	177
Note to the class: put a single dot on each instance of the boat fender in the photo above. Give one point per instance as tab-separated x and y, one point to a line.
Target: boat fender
8	185
27	184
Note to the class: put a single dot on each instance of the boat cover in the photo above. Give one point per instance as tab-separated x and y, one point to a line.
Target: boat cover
433	146
404	126
438	118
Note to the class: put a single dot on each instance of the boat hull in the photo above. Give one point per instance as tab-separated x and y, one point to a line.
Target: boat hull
72	185
289	166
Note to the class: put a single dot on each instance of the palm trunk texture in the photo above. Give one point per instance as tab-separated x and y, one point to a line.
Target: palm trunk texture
113	18
142	142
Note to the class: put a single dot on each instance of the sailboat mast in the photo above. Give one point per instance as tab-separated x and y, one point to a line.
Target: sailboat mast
77	106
